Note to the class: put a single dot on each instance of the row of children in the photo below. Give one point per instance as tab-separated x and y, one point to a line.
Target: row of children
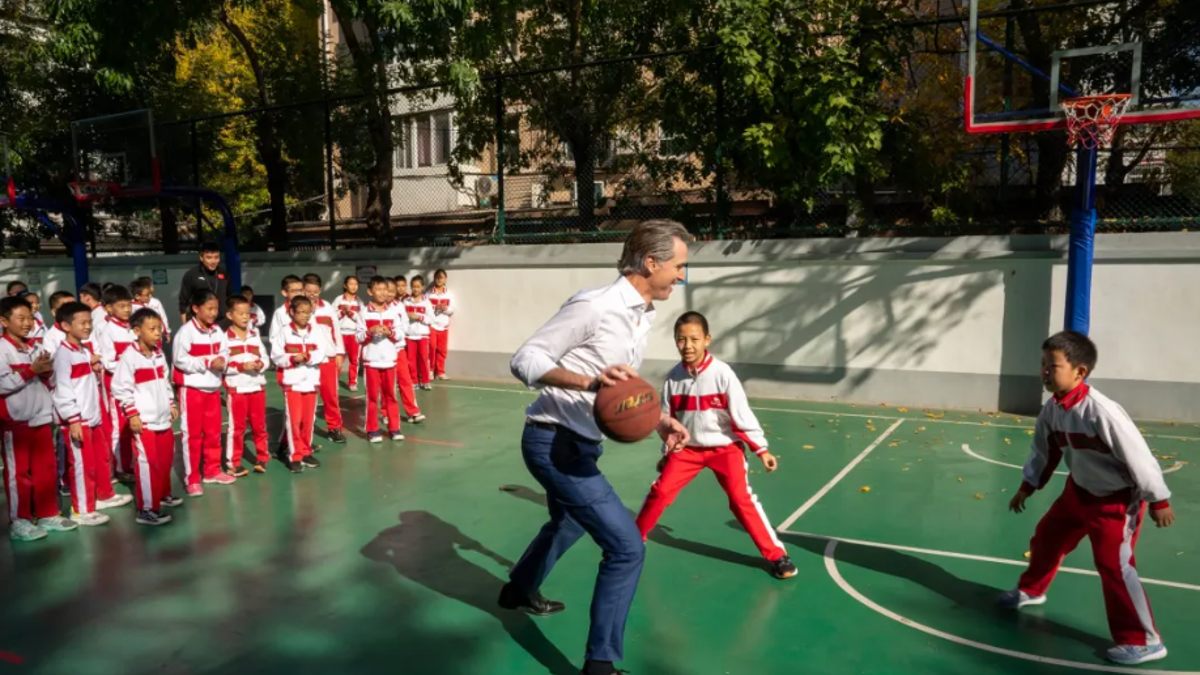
114	396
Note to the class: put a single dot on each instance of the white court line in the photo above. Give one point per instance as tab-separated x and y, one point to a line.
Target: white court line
828	413
832	568
979	558
967	449
836	479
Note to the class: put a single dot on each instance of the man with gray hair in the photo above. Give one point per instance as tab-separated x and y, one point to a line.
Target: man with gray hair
596	339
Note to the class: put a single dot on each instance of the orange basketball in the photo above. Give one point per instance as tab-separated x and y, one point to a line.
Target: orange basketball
628	411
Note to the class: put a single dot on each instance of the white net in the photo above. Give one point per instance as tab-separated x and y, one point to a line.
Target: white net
1091	120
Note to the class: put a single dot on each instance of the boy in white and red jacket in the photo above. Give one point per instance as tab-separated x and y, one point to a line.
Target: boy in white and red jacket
53	338
142	387
200	353
1113	477
381	334
439	331
39	326
77	403
298	354
396	296
26	410
420	316
706	396
325	323
111	338
244	380
348	306
142	290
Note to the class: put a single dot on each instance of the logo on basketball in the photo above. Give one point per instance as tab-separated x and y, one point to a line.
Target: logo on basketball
634	402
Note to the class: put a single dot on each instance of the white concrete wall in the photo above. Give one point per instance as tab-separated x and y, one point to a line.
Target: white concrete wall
937	322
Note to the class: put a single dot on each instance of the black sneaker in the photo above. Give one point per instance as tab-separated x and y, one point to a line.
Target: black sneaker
152	518
294	467
783	568
337	436
124	478
599	668
172	501
311	462
64	491
536	604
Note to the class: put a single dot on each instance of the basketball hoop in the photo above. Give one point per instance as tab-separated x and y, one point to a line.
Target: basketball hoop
91	191
1091	120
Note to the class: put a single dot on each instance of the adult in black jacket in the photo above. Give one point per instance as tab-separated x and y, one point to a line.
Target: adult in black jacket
209	275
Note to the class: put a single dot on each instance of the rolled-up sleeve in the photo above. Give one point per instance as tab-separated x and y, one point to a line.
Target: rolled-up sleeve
571	327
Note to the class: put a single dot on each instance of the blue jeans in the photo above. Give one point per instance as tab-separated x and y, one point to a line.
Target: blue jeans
581	500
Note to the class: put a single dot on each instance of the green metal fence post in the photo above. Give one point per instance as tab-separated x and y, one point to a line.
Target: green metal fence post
500	158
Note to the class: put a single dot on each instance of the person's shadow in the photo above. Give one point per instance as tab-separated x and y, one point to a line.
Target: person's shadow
967	596
423	548
661	534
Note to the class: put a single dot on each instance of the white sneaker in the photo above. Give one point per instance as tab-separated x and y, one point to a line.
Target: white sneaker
114	502
354	387
24	530
57	524
90	519
1016	599
397	436
1131	655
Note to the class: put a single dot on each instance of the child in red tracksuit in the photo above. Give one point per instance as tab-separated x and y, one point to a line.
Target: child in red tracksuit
347	307
706	396
142	387
298	355
439	331
200	354
244	381
26	410
111	338
1114	475
420	317
381	333
325	320
77	402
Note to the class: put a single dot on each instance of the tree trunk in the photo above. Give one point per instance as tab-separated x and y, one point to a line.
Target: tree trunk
270	150
583	148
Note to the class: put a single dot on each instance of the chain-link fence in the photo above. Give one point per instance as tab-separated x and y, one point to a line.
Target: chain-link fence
580	154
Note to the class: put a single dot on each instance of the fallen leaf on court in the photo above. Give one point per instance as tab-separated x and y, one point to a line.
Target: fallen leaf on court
960	479
883	405
808	447
920	459
987	424
933	415
893	445
870	428
1004	489
1027	554
1029	431
903	410
904	469
870	421
865	488
978	495
1007	441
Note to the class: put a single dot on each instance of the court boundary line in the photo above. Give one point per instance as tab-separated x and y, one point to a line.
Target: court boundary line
838	478
966	447
820	413
978	558
831	568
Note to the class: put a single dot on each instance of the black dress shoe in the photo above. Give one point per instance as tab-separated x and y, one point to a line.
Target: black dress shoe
599	668
337	436
537	604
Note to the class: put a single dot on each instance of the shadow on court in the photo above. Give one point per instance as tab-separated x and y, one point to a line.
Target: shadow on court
966	595
424	548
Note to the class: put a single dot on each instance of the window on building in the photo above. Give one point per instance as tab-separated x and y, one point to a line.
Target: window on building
424	141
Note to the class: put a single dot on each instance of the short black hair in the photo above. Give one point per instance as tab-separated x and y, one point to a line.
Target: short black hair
114	294
416	278
312	278
140	285
201	296
1077	348
14	284
289	280
57	298
66	312
299	300
347	280
235	300
106	285
693	318
28	294
440	271
398	278
209	247
378	281
92	290
7	305
142	316
247	289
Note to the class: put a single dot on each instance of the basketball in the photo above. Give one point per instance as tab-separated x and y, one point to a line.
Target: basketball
628	411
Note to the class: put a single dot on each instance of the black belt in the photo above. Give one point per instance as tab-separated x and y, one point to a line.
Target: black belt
544	425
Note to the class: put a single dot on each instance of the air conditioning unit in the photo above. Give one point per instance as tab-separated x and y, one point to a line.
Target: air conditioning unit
538	196
597	190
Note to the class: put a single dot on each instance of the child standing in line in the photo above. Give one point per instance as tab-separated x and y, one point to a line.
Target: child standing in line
705	395
404	379
142	387
325	319
54	334
1114	475
77	403
381	333
258	318
13	288
142	290
201	353
106	496
289	287
39	327
439	331
297	354
29	469
92	295
420	316
111	338
244	380
400	291
348	307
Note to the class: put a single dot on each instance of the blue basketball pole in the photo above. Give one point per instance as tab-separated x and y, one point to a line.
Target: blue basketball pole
1082	244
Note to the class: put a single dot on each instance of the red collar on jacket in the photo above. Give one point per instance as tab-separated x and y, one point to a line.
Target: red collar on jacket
704	364
206	331
27	348
113	319
1074	397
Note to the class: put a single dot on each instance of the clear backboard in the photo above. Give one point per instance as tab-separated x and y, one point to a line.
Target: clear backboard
115	154
1026	57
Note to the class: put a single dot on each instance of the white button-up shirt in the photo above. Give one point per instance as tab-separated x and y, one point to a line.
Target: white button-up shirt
595	329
